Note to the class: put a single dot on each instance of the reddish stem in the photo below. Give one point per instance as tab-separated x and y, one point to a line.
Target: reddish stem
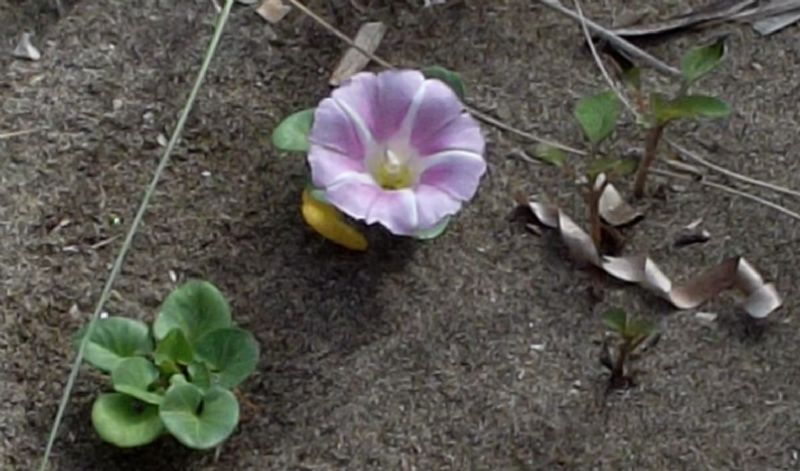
650	152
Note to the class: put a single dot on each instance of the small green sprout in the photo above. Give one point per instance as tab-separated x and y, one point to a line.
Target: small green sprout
661	110
176	378
629	335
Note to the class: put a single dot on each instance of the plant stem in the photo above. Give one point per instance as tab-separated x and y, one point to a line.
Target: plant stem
650	152
618	373
595	191
222	19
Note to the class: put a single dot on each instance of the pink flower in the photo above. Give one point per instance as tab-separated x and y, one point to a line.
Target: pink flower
396	149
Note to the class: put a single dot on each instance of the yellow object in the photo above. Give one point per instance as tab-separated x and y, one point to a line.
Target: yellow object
328	222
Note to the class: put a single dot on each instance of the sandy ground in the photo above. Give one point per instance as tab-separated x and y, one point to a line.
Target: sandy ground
413	355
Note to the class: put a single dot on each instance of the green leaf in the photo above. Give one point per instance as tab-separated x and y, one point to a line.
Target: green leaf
598	114
199	375
134	377
689	107
195	308
433	232
450	78
198	419
611	166
702	60
637	330
173	350
551	155
292	133
616	319
114	339
316	193
633	77
231	355
125	422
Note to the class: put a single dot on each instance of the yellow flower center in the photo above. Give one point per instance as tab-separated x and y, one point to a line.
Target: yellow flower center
393	172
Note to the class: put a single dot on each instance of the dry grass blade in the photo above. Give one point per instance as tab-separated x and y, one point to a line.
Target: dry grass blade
730	173
616	41
731	191
761	298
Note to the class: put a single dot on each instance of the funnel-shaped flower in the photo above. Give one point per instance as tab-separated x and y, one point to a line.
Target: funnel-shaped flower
396	149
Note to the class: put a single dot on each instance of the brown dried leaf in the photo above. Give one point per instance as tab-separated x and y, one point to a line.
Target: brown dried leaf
273	10
719	10
368	38
616	211
761	298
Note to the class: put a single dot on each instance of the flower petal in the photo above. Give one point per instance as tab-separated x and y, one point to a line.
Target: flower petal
456	172
353	194
334	130
328	166
396	91
462	133
433	205
396	210
438	106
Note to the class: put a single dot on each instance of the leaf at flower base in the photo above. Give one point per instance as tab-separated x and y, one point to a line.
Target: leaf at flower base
231	355
616	320
316	193
433	232
195	308
551	155
598	115
173	350
329	223
113	340
123	421
701	60
292	133
199	419
134	377
689	107
452	79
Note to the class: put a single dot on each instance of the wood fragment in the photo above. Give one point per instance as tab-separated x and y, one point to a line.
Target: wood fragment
25	49
273	10
368	38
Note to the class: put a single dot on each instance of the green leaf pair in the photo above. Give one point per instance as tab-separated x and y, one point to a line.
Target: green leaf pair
631	330
598	115
195	339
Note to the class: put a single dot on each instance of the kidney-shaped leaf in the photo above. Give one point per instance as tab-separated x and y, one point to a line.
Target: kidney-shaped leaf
113	340
598	114
231	355
292	133
134	376
195	308
199	419
173	350
124	421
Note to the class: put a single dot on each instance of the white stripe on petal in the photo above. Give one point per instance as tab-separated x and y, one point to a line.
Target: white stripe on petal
407	124
364	134
447	156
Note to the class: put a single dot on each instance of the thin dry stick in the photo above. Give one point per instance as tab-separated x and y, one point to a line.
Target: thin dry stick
8	135
473	111
599	62
730	190
222	19
730	173
616	40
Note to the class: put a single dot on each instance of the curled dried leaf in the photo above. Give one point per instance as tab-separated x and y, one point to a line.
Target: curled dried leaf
760	298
